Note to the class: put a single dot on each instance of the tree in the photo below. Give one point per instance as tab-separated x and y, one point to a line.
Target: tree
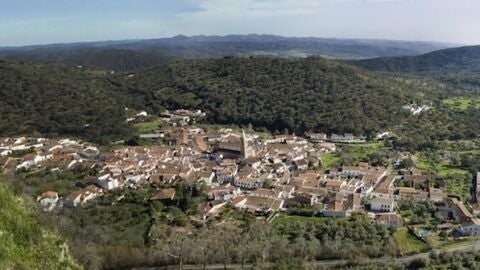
406	163
178	247
204	245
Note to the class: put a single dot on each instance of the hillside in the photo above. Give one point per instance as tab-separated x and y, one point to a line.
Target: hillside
24	243
278	95
141	54
247	45
59	100
294	95
463	59
458	66
102	58
298	96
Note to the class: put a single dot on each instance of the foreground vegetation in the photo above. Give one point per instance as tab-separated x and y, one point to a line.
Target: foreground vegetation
24	242
133	231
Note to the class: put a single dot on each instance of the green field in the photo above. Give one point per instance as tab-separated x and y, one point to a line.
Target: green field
441	167
458	185
149	126
353	152
457	180
407	243
330	160
437	243
462	103
362	150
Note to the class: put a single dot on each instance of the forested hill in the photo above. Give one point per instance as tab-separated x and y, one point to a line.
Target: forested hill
102	58
131	55
59	100
311	94
294	95
463	59
458	66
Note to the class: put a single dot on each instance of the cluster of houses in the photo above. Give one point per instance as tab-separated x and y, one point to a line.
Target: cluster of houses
136	116
244	171
177	118
181	117
412	185
416	109
336	138
36	154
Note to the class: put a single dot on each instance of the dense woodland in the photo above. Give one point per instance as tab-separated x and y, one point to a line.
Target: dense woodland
280	95
457	67
110	59
140	54
58	100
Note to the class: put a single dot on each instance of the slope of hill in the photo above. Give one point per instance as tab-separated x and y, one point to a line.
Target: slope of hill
246	45
458	67
141	54
103	58
463	59
300	95
24	243
59	100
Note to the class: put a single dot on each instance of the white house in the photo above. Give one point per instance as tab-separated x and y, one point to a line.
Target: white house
207	177
301	164
5	153
471	227
391	220
382	204
248	183
134	179
48	200
107	182
142	113
82	196
27	164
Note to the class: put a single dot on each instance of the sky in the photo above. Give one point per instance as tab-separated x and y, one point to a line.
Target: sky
26	22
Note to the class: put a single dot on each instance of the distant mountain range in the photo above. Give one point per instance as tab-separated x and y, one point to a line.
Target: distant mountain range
126	55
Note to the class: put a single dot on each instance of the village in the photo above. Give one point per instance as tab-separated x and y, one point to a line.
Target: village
265	177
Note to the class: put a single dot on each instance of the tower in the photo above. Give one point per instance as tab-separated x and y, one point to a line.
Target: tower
247	150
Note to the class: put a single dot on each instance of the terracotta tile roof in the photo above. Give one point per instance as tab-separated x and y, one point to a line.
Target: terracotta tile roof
388	217
49	194
163	194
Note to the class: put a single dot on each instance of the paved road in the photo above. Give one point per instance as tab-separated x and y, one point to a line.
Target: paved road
331	263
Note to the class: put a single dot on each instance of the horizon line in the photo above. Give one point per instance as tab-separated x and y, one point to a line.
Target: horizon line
226	35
